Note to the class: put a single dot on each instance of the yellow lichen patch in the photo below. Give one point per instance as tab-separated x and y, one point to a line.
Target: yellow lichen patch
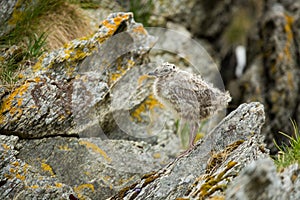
6	105
34	186
59	185
120	71
47	168
5	146
122	181
142	78
8	176
17	14
212	183
156	155
64	148
289	22
116	22
148	104
19	176
15	163
289	34
140	29
290	79
79	189
96	149
38	64
217	198
25	167
217	158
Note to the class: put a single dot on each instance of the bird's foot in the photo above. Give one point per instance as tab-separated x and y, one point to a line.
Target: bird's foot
187	151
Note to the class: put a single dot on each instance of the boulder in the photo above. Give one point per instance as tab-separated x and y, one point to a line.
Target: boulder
215	161
70	91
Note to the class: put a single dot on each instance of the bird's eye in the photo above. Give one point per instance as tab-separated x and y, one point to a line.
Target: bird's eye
173	66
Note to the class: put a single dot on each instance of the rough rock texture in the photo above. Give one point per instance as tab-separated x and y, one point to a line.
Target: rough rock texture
70	85
218	158
57	167
6	12
93	167
259	180
19	180
272	77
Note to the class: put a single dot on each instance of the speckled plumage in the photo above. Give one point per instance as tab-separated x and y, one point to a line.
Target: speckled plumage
192	98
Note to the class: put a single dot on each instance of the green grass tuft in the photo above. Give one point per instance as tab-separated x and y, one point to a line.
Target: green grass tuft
289	154
142	10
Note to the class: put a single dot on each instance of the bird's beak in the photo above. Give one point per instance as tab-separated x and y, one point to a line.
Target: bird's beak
151	74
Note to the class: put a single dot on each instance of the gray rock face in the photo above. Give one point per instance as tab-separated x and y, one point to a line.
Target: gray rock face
6	11
18	180
274	68
69	87
235	142
259	180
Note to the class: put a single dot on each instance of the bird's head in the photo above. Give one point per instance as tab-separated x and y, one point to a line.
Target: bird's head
163	70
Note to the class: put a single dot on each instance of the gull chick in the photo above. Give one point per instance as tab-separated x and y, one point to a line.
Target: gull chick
188	95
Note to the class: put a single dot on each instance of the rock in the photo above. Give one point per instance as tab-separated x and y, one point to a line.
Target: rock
274	68
259	180
6	13
19	180
68	87
92	167
234	143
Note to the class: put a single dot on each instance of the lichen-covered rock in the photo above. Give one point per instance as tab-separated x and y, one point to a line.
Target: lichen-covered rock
214	162
92	167
69	87
272	77
7	9
20	180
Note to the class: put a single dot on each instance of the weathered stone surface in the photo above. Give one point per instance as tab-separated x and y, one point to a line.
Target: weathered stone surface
272	77
6	12
69	85
235	142
19	180
92	167
259	180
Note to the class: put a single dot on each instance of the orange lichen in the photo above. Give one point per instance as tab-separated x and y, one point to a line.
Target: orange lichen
59	185
96	149
140	29
15	163
156	155
17	13
64	148
79	188
34	186
5	146
8	102
47	168
142	78
120	71
19	176
149	104
289	34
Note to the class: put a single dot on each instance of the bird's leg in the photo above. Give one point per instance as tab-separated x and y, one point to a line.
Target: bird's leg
193	133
